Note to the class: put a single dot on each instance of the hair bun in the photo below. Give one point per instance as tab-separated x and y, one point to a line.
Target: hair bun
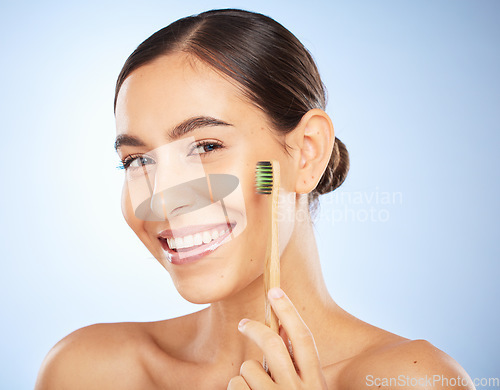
336	171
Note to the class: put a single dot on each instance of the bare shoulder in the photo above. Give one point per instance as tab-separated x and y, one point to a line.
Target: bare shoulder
415	364
98	356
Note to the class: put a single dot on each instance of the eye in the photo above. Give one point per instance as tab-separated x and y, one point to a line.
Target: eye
205	147
135	161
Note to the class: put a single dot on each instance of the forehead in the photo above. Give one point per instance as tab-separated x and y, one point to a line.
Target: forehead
174	87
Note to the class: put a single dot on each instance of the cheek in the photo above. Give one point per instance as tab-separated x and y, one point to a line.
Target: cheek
251	211
258	207
127	211
286	217
133	222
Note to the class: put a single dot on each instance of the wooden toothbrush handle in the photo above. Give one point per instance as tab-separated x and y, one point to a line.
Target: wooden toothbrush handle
272	268
272	274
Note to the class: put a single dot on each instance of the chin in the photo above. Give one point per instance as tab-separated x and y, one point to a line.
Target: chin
220	283
200	295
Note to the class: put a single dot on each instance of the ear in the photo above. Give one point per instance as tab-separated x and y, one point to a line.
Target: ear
314	137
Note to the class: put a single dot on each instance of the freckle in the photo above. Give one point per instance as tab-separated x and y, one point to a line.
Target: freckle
303	308
251	259
222	276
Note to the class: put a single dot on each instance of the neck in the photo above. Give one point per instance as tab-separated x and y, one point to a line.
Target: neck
302	281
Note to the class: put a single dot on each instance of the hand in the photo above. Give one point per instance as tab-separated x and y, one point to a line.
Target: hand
300	370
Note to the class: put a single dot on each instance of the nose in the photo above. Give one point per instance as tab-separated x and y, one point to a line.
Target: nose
177	200
162	194
192	195
172	195
168	201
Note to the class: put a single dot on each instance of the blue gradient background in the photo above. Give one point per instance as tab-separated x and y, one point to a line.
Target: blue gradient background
413	93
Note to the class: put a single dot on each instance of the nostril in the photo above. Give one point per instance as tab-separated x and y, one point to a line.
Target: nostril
178	211
167	207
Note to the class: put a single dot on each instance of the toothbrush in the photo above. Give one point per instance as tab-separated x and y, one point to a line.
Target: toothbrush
267	181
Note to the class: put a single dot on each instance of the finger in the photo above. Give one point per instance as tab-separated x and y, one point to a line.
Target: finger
288	344
237	383
274	349
304	347
286	340
255	375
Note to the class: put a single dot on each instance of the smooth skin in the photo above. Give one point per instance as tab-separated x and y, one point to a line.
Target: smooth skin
213	348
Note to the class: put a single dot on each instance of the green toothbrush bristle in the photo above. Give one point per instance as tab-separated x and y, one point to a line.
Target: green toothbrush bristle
264	177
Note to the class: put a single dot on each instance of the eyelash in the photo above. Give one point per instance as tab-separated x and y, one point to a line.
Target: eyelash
125	163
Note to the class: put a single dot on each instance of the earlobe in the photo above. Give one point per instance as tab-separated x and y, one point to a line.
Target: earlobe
318	136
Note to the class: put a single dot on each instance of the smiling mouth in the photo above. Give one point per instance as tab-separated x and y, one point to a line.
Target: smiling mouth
181	247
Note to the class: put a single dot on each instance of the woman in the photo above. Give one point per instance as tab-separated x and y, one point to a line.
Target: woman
234	88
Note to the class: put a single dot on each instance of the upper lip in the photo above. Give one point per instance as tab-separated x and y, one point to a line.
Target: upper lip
189	230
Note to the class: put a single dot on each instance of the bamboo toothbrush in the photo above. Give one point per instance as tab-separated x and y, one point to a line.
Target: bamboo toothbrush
267	182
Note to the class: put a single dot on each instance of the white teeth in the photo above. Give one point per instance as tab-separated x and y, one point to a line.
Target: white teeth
188	241
206	237
196	239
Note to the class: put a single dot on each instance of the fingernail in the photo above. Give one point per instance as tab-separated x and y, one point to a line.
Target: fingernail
242	323
276	293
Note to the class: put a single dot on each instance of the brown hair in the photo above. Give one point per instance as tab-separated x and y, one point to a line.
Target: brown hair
272	67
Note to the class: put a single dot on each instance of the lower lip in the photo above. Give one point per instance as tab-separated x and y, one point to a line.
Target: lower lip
197	253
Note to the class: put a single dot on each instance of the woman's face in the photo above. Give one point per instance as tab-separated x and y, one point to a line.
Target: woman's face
152	101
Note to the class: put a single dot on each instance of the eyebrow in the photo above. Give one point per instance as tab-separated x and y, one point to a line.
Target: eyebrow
178	131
